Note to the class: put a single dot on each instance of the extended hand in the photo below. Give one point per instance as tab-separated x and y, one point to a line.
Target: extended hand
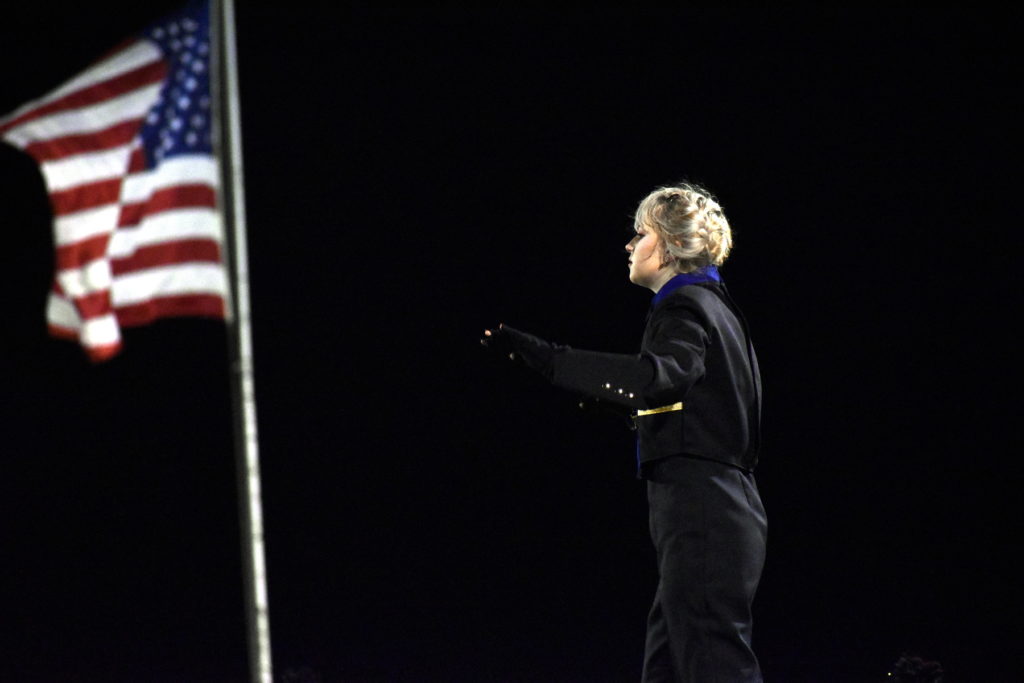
533	351
497	340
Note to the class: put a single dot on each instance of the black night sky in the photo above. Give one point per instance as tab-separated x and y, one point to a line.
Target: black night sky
436	515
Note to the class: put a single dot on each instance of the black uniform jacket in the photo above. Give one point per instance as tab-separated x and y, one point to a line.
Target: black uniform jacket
695	350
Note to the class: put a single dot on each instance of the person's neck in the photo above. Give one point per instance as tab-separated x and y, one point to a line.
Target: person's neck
664	275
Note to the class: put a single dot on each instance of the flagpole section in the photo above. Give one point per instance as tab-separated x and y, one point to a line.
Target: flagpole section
240	334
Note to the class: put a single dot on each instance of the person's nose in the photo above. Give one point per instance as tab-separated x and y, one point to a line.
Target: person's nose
629	247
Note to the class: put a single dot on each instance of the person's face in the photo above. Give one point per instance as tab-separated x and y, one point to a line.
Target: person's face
645	259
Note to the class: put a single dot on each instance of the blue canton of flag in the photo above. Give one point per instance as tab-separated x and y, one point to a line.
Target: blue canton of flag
180	120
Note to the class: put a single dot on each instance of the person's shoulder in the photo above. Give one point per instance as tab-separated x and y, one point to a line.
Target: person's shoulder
701	294
692	302
703	302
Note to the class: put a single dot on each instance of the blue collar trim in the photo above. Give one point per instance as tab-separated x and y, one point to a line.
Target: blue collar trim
705	274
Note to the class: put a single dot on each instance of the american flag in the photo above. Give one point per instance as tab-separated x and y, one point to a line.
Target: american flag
126	153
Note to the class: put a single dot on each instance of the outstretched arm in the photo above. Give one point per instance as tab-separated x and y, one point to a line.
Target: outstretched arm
670	363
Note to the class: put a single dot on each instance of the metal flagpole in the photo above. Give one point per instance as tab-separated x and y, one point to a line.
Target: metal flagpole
240	334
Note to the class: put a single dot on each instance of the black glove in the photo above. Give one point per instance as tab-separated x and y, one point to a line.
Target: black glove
532	351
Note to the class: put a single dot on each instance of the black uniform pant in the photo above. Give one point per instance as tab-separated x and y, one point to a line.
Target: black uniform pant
709	530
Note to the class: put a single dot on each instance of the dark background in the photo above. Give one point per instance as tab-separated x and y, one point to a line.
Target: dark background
435	514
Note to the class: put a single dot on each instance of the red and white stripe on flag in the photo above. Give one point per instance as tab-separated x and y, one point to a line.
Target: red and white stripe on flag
137	232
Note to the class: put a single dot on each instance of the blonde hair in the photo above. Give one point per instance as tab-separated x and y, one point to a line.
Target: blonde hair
691	225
